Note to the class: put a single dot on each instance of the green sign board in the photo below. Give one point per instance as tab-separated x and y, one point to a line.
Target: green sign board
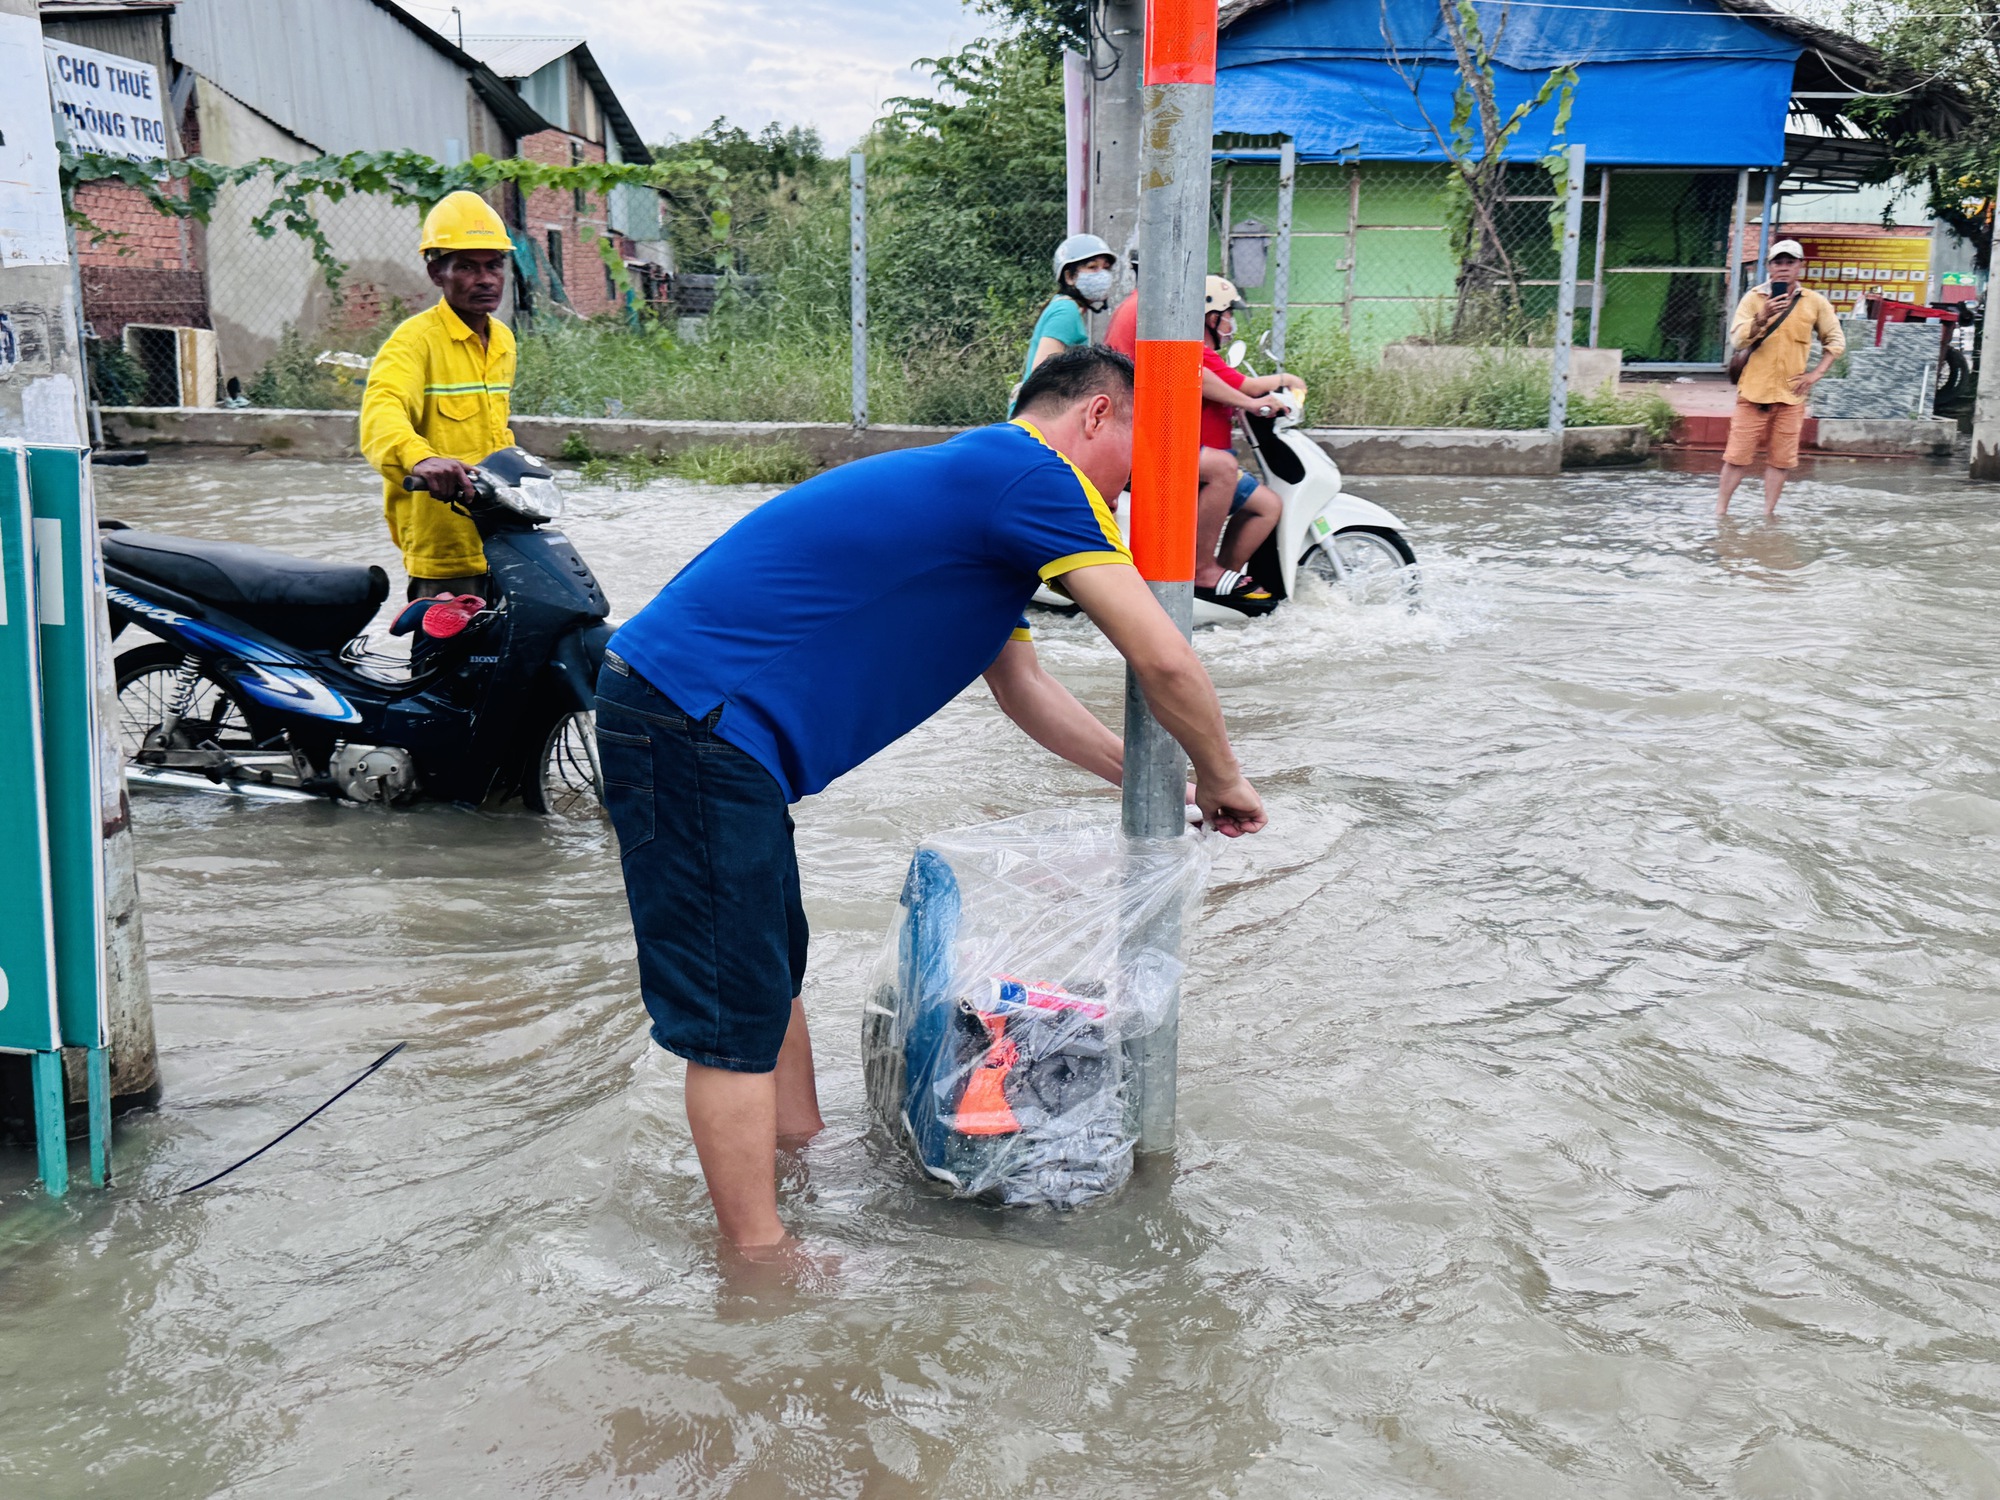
28	1021
67	591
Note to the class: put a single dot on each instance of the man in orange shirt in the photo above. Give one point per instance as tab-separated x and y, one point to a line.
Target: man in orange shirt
1776	322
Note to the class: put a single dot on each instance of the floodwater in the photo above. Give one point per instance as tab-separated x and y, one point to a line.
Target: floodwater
1589	1080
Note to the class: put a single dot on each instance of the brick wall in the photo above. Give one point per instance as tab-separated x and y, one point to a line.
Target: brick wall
146	269
546	208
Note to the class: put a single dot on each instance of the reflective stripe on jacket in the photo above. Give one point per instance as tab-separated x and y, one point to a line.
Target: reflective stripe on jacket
435	392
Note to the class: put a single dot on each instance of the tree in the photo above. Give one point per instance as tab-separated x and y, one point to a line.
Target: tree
758	179
972	194
1935	99
1049	26
1488	307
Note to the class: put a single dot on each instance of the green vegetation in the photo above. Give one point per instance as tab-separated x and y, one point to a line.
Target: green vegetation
1611	409
115	376
1935	101
715	463
294	378
1501	388
966	200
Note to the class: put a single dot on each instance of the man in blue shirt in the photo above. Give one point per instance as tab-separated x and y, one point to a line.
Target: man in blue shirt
819	628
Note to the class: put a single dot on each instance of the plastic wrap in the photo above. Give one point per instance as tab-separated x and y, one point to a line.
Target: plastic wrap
1029	961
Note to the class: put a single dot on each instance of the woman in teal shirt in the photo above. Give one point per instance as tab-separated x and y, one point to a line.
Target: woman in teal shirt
1083	265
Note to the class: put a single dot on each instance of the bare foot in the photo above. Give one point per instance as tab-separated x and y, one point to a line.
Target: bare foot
755	1274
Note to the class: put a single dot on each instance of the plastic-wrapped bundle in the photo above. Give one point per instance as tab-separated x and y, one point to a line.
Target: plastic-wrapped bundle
1029	962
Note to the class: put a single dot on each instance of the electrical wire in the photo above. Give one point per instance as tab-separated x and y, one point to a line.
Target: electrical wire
1117	52
365	1072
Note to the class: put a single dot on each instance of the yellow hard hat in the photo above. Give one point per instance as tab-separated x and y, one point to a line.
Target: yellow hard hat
1219	294
464	221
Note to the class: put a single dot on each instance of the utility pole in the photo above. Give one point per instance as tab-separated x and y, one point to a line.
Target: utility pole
42	390
1116	57
1176	134
1986	408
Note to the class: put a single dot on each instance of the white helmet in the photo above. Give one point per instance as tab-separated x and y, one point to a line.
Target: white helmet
1220	294
1080	247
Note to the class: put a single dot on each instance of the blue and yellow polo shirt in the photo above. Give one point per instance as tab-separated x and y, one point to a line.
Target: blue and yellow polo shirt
835	618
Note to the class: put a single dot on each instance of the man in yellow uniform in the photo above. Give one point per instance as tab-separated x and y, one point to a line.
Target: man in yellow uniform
1776	322
437	398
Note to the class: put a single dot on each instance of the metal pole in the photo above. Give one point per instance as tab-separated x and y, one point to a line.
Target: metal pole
45	1071
1566	293
1353	243
1764	231
1281	265
857	278
1597	271
1229	220
1173	235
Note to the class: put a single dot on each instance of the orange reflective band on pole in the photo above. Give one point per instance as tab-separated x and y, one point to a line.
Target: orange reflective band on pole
1166	458
1180	41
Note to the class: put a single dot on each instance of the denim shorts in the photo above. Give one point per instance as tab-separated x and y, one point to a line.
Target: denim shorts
711	874
1245	488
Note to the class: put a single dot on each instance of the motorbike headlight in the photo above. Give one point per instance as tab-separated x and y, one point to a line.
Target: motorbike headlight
537	499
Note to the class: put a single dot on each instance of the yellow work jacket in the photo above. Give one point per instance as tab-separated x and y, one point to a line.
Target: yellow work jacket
1782	357
435	392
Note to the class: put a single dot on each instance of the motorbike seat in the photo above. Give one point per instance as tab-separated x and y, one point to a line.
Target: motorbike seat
305	603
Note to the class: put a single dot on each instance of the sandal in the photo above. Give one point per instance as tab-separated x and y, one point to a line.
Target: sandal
1239	591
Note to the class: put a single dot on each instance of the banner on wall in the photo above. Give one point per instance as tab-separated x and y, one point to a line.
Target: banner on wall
107	104
1847	270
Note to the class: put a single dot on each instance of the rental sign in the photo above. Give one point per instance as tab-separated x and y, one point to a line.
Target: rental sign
108	104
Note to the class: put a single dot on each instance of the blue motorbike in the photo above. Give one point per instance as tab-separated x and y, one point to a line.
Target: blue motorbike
259	682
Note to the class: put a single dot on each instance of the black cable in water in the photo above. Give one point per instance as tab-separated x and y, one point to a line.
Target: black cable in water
306	1121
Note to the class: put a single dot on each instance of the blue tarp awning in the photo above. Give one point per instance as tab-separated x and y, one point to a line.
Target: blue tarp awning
1661	82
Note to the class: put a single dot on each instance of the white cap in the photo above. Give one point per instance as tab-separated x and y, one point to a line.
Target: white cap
1789	247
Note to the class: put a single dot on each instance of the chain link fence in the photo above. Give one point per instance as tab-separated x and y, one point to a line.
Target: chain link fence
1375	256
758	319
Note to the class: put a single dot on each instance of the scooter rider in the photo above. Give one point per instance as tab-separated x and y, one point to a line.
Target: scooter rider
1084	280
1226	490
437	398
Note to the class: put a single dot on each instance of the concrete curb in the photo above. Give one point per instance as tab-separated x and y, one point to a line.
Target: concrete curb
1920	437
1358	450
1473	451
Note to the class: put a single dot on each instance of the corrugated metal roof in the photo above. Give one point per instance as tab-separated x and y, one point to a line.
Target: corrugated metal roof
343	75
518	56
61	9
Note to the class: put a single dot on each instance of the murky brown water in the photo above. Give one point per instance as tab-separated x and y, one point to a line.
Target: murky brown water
1589	1080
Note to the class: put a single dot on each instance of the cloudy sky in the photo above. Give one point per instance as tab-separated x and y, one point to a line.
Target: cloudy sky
677	64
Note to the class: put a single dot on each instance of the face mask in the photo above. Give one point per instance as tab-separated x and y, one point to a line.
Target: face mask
1093	286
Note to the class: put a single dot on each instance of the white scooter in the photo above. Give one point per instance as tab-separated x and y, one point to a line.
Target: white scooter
1339	539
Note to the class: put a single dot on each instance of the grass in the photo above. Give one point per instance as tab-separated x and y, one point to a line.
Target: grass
293	378
1609	409
1501	388
751	367
749	373
713	463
